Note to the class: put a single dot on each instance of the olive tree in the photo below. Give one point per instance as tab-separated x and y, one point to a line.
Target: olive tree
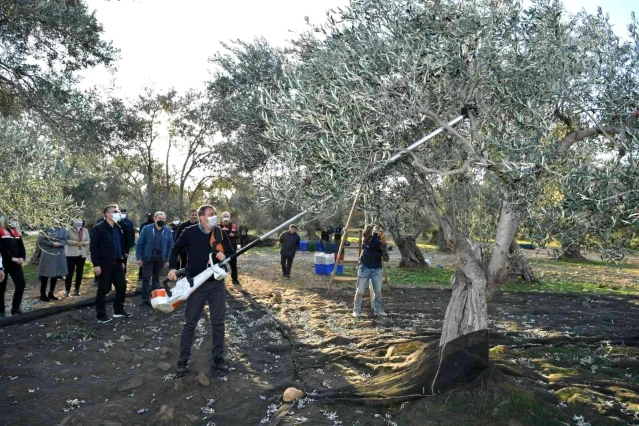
381	74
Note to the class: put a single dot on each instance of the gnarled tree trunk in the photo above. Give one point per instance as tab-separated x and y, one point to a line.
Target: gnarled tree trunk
467	309
439	240
518	266
412	257
571	251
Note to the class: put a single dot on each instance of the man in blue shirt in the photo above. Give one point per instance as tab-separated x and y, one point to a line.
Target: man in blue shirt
152	253
370	268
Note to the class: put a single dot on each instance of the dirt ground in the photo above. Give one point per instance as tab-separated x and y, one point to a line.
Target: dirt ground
573	359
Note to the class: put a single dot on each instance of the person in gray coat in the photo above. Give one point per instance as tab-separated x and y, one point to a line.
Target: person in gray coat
53	263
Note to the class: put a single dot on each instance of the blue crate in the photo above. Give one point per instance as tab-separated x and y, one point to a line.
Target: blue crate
340	269
303	245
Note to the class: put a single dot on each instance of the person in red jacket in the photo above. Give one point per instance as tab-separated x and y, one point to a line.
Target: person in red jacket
13	256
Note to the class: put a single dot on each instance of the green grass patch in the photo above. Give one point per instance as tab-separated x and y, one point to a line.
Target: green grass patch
427	277
568	286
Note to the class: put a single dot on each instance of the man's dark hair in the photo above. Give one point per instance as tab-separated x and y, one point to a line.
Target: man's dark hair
202	209
191	211
110	206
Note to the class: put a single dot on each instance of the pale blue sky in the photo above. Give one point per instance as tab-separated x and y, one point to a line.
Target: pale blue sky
166	43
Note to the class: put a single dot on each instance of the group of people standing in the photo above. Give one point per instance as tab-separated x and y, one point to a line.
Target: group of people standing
329	233
63	252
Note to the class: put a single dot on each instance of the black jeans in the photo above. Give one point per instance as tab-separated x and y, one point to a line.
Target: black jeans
287	263
214	293
243	240
233	264
17	276
151	275
113	273
43	285
75	264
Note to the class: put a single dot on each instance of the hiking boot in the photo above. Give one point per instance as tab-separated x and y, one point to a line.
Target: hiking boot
236	282
219	366
16	311
182	369
102	319
44	298
51	296
77	293
123	314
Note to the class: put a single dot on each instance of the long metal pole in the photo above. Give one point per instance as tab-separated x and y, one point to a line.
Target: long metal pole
374	170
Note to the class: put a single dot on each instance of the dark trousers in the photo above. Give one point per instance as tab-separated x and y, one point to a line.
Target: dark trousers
43	285
75	264
287	263
17	276
243	240
113	273
338	238
181	263
151	275
233	264
214	293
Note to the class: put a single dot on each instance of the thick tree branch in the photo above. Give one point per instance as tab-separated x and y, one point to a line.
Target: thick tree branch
579	135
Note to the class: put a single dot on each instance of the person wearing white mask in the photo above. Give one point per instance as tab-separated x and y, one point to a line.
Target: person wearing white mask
199	241
108	256
77	251
174	225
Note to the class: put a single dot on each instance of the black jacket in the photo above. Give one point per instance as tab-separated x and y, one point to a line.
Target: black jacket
128	227
182	227
102	247
11	246
289	243
197	244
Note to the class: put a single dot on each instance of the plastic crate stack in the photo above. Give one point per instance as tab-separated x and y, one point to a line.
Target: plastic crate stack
303	245
324	264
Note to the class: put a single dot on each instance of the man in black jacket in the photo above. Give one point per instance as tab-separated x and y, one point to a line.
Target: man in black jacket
199	241
193	220
128	227
108	249
289	243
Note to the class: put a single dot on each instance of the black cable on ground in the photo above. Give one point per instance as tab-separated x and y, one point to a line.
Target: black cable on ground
37	314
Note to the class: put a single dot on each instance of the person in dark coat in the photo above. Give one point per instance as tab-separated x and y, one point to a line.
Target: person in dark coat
199	241
174	226
230	229
128	227
192	221
107	255
370	268
289	243
13	256
53	261
243	230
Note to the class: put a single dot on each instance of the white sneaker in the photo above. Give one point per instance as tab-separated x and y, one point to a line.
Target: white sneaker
381	314
356	314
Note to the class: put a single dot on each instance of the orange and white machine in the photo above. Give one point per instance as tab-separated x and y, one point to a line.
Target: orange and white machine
168	299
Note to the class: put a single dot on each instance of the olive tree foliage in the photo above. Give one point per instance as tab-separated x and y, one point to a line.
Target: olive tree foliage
244	71
388	72
43	44
32	176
